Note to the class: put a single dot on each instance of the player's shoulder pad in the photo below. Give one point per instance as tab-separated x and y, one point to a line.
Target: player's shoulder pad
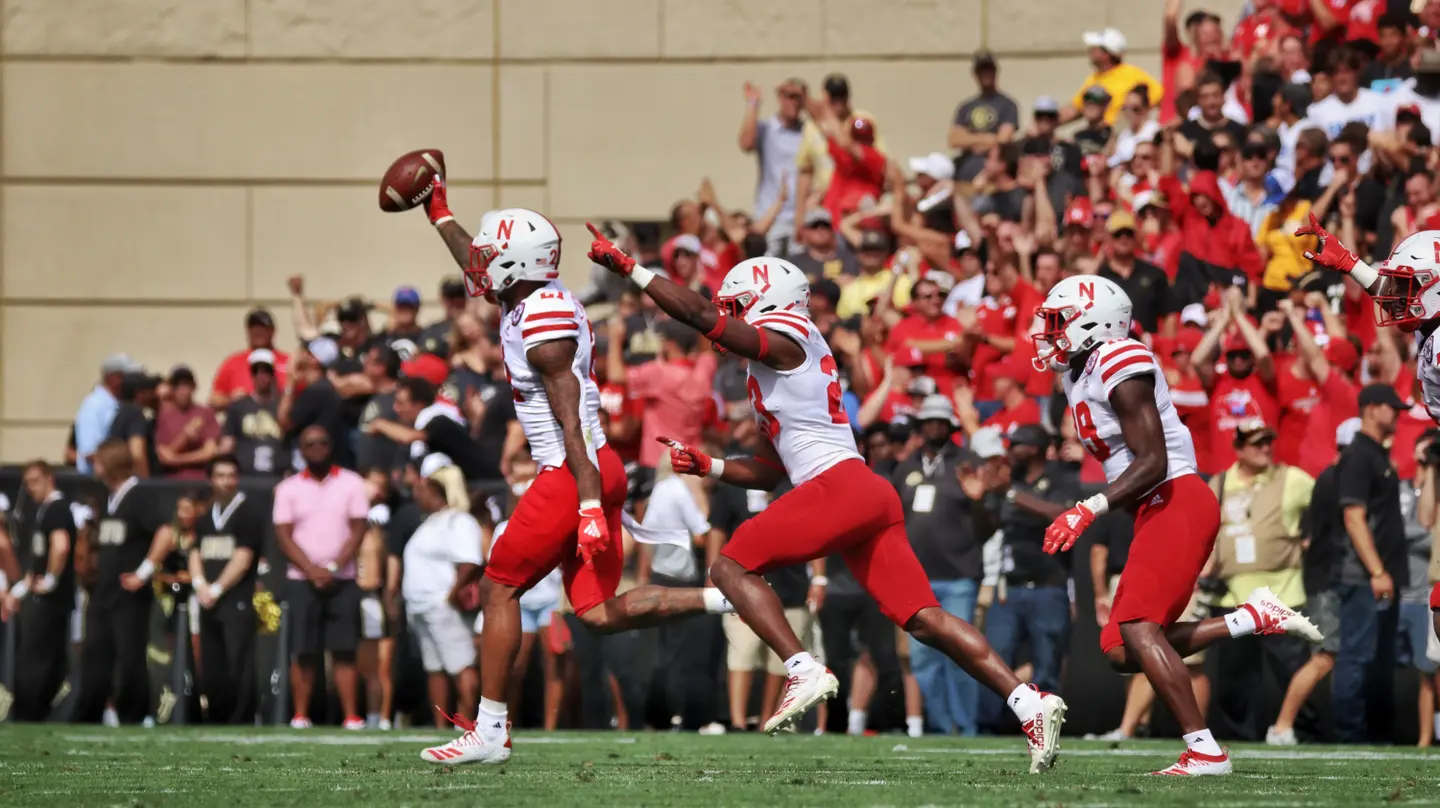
1122	358
796	326
551	298
547	314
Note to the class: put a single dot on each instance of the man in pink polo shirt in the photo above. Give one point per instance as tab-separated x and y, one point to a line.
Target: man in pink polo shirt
320	517
675	389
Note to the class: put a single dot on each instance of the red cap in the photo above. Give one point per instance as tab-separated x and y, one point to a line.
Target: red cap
1187	340
1234	341
1342	354
909	357
1012	368
429	367
862	131
1081	212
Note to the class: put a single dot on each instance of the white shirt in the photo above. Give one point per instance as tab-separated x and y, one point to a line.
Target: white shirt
446	538
673	507
1368	107
968	292
1406	96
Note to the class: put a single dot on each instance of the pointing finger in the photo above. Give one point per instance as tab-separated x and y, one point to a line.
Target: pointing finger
597	234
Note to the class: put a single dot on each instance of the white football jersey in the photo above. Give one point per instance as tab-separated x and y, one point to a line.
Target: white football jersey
801	409
1427	372
548	314
1096	423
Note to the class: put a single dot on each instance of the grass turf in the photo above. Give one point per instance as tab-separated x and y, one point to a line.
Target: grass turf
89	766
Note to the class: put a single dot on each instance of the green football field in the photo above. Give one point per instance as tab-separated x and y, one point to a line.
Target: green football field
89	766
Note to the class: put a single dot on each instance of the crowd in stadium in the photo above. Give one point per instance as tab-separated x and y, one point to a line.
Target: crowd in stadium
1185	189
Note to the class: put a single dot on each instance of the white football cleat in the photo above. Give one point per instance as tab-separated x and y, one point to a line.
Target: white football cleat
803	690
1194	763
471	747
1272	616
1042	733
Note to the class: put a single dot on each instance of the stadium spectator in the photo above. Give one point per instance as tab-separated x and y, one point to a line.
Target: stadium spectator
435	338
252	433
1181	63
675	389
987	119
374	450
134	422
1349	102
187	434
822	255
97	411
320	519
310	399
1145	283
929	332
1391	65
1211	120
232	378
1113	74
775	142
428	424
403	332
860	295
814	166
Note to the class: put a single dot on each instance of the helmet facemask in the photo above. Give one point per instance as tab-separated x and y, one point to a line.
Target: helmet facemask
1052	341
477	275
1398	299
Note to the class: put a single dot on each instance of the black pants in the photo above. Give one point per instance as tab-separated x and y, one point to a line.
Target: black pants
1250	678
43	653
227	660
691	655
112	661
596	657
851	624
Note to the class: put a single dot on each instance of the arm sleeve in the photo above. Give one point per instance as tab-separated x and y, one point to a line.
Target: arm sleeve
1295	496
695	521
233	420
1352	478
284	512
1121	360
359	505
1009	113
641	380
465	547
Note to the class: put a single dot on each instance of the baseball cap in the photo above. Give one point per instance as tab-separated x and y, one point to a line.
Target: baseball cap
452	288
434	462
1251	431
1080	212
687	242
1342	354
1110	39
1045	105
429	367
261	356
1195	314
324	350
922	386
1095	94
118	363
138	381
963	241
934	165
1374	395
937	408
837	86
1186	339
1030	435
984	60
862	131
909	358
1011	368
407	296
1345	433
351	311
259	317
1234	342
1120	220
818	216
181	374
1151	199
873	240
987	442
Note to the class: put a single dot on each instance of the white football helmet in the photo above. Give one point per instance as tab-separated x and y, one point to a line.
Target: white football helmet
513	244
1409	292
762	285
1080	312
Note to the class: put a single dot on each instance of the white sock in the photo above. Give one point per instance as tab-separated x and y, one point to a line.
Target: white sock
1241	623
800	662
1024	701
716	602
858	720
492	718
915	726
1204	743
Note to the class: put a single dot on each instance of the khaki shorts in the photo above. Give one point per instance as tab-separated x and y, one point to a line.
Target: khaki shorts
747	652
1195	610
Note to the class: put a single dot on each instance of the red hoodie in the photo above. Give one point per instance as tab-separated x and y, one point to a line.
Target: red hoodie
1220	252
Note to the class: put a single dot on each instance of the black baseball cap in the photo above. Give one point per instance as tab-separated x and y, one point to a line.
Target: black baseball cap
1031	435
351	311
837	86
1376	394
259	317
873	240
984	60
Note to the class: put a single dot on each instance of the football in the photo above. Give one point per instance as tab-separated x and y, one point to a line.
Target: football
408	180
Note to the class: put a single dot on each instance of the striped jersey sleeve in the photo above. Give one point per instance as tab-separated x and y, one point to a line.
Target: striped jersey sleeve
1121	360
795	326
548	318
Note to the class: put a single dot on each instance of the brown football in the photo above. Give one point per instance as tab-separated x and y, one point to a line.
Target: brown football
408	180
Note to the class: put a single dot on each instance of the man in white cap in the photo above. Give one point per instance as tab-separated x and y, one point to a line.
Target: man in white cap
983	121
1117	76
92	421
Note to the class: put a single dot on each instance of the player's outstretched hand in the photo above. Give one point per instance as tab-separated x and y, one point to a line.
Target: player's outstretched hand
686	459
1332	253
594	534
604	252
1067	527
437	205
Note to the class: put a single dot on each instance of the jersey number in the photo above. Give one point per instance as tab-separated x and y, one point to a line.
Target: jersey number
767	421
833	394
1089	436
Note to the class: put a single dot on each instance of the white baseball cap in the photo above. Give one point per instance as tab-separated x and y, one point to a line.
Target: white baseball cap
1195	314
434	462
262	356
987	442
1110	39
934	164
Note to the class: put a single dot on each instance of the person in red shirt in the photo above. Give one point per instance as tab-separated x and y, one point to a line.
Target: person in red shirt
901	389
1008	378
997	327
1217	248
1181	64
930	332
1245	388
1259	29
622	412
1330	371
232	378
1187	391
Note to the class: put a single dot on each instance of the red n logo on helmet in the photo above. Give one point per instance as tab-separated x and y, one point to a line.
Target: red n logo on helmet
505	229
761	274
1087	291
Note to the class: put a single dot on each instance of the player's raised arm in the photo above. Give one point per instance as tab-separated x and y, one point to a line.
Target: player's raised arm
437	207
554	361
762	472
691	308
1331	253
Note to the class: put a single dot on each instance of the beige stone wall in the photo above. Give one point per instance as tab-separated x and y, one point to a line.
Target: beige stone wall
167	163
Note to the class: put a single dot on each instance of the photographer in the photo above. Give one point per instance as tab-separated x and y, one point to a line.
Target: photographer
1032	601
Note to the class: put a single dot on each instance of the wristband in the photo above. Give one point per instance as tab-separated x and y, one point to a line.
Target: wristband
641	276
714	333
1364	274
443	220
46	584
21	589
717	468
819	580
589	505
199	584
1097	504
216	590
145	570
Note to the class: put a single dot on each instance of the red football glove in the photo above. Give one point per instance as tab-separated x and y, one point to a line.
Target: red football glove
1332	253
594	534
604	252
687	459
437	205
1066	528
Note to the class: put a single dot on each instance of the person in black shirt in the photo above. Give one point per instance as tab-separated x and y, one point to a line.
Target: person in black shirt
316	403
134	421
130	548
1146	284
1374	559
433	423
1210	98
46	532
376	451
403	334
229	539
1095	136
435	338
1032	600
252	431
